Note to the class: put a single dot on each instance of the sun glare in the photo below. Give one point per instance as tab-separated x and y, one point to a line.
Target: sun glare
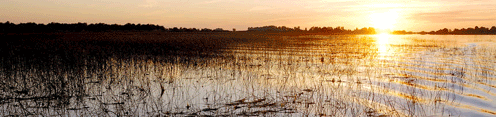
382	42
384	20
382	38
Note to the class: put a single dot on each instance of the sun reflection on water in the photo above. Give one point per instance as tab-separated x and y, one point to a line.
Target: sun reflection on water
383	45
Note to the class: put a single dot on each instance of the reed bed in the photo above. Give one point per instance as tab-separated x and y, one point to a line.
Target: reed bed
242	74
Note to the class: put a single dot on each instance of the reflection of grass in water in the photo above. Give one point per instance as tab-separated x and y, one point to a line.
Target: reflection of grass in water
266	78
115	91
65	70
54	68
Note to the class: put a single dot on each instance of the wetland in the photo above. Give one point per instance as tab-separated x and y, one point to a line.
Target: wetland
246	74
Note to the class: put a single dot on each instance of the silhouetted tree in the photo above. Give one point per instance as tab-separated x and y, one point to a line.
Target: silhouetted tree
32	27
314	29
476	30
493	30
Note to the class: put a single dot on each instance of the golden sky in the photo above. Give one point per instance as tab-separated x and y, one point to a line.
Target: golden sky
414	15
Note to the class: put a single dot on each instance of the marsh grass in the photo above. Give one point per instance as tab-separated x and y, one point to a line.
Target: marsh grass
241	74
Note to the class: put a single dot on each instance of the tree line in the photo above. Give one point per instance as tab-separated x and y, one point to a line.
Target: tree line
319	30
32	27
465	31
341	30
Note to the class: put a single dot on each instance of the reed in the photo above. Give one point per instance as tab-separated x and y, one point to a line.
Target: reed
241	74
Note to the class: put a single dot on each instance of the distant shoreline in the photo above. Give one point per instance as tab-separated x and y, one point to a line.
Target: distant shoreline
237	32
59	28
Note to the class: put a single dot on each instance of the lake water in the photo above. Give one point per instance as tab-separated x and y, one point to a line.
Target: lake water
312	75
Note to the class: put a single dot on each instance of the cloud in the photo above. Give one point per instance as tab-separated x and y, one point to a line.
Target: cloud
437	14
451	16
474	19
436	17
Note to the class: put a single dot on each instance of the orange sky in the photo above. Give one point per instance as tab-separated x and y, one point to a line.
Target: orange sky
414	15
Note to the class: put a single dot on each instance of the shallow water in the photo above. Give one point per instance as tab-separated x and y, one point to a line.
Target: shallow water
315	75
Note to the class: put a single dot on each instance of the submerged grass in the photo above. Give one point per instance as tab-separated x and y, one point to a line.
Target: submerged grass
242	74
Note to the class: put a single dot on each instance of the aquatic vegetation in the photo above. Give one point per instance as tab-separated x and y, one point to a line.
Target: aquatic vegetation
224	74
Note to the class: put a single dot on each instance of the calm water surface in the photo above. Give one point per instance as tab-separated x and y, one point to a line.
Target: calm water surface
315	75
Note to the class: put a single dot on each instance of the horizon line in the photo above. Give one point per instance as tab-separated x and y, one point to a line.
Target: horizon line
386	30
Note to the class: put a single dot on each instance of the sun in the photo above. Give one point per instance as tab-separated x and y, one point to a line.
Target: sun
384	20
